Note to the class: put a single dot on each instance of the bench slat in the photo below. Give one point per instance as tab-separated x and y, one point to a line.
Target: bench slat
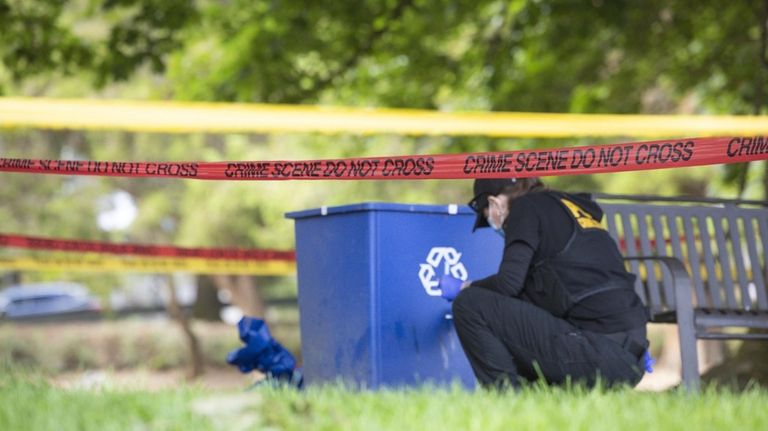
764	235
713	284
674	237
661	249
693	259
610	221
733	227
650	269
629	243
756	262
725	262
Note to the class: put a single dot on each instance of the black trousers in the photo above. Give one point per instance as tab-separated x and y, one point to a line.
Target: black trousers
509	341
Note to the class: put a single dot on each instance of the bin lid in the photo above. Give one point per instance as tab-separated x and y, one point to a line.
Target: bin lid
381	206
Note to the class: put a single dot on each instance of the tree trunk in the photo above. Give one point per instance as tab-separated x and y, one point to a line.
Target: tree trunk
197	367
245	294
207	304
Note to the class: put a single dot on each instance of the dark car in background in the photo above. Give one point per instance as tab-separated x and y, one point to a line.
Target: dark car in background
48	301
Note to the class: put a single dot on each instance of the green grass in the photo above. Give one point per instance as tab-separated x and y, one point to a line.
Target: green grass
532	409
30	403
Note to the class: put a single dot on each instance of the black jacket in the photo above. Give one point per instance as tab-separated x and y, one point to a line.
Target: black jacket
559	257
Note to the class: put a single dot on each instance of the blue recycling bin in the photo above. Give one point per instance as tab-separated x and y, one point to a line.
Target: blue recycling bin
369	304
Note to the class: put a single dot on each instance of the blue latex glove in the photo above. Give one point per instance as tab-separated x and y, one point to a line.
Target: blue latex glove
449	287
648	362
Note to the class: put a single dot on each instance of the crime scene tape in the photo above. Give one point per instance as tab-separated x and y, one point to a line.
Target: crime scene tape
632	156
101	263
58	244
185	117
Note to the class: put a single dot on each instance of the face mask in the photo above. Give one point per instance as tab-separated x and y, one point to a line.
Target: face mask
499	231
495	207
493	225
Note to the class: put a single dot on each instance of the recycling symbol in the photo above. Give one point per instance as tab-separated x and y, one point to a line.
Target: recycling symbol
440	261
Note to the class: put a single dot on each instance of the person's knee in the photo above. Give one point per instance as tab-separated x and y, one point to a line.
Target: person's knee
467	301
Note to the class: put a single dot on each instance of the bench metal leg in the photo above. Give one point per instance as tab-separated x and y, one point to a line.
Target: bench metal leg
685	324
688	354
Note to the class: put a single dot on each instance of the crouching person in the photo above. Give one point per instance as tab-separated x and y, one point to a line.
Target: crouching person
562	306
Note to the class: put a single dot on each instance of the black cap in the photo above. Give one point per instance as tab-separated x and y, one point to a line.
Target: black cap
483	188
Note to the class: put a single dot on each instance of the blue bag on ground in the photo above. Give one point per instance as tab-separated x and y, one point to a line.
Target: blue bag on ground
263	353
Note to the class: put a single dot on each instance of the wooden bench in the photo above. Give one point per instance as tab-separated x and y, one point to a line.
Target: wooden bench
701	263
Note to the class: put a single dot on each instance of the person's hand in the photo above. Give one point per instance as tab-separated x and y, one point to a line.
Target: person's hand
450	287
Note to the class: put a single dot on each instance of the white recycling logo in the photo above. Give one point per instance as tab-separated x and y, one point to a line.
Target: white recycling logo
450	260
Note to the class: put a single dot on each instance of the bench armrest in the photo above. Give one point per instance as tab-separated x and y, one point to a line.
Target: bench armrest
683	288
681	280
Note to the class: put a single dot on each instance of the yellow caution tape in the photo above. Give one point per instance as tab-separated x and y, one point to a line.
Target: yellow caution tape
98	263
185	117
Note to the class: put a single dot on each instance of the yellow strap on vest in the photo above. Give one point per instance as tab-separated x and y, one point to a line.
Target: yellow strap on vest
583	218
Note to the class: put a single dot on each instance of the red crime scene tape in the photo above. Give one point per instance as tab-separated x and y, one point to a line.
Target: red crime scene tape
623	157
39	243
